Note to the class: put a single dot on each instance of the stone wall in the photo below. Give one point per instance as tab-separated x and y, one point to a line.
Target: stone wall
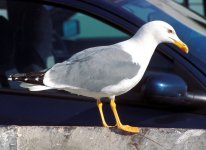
98	138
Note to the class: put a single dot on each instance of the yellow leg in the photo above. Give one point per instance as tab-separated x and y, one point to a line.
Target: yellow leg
118	123
99	105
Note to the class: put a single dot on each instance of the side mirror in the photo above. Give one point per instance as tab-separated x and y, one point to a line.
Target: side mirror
167	88
71	28
164	88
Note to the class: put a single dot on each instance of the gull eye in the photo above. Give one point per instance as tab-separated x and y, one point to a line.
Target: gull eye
169	31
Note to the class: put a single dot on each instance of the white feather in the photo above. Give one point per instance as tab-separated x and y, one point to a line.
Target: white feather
33	87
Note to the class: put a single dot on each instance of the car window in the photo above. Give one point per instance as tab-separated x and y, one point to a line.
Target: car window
35	36
83	25
75	31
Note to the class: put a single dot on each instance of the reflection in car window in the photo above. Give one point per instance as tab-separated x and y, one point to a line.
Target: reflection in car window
75	31
82	26
36	36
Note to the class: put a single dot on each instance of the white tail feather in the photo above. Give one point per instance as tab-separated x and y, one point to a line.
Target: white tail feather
33	87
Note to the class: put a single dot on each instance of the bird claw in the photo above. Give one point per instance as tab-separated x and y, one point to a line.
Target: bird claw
128	128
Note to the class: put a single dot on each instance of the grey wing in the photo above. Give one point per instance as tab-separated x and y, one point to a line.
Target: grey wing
85	54
93	69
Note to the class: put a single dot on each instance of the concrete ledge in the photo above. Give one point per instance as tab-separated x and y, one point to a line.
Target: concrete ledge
98	138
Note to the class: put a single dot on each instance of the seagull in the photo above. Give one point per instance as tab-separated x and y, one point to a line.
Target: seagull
105	71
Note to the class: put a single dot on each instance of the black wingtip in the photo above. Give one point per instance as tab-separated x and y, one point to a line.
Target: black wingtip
16	77
32	77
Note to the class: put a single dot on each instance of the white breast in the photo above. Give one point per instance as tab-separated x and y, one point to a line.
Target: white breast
124	85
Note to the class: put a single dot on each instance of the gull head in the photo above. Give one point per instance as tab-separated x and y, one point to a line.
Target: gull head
162	32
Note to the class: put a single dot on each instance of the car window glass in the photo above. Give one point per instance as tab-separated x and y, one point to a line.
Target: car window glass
82	26
75	31
35	36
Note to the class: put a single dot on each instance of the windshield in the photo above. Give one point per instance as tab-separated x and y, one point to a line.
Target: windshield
190	27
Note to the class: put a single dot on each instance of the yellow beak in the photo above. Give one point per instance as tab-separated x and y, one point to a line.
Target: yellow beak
181	45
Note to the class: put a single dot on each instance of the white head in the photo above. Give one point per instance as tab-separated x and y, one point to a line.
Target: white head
162	32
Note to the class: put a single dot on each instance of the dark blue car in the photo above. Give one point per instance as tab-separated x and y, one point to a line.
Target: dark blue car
34	35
